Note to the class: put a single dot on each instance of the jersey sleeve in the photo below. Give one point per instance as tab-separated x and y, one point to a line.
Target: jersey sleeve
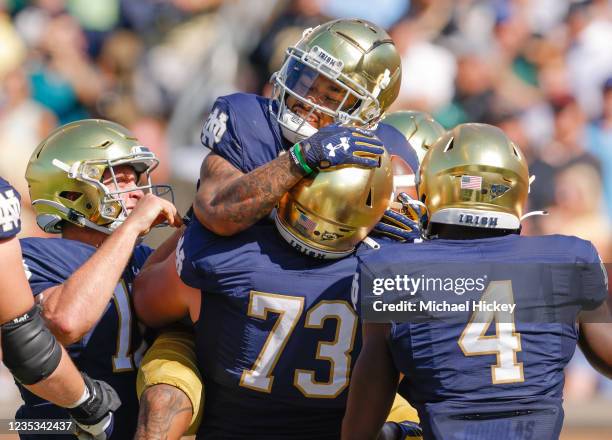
362	287
141	254
396	144
187	249
10	210
594	279
220	136
39	274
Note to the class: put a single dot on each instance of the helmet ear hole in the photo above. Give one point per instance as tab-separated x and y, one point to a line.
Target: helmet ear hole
73	196
450	145
369	199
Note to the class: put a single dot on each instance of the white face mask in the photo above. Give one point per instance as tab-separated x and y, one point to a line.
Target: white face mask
300	78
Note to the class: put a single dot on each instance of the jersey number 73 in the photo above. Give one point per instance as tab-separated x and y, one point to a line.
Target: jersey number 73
289	309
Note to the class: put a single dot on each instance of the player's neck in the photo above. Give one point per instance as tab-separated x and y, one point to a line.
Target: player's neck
84	235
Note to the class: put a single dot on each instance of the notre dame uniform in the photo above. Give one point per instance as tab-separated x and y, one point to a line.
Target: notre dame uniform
303	391
111	350
277	335
10	210
242	130
479	381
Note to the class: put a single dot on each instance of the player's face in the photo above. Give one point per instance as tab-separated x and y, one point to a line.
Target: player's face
322	91
127	180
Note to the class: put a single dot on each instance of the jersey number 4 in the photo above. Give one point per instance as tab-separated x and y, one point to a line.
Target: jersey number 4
289	309
504	344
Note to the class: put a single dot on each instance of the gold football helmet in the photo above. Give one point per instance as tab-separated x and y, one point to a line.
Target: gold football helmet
474	176
358	59
327	215
65	174
420	129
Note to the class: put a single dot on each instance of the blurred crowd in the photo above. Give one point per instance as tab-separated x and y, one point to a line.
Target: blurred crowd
539	69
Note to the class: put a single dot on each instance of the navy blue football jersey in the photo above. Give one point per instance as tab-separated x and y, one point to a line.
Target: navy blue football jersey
241	129
469	379
10	210
277	335
112	349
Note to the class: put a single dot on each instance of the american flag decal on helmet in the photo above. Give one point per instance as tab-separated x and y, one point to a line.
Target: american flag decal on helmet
471	182
306	224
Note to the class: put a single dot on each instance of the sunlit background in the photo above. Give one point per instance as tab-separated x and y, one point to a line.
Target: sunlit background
539	69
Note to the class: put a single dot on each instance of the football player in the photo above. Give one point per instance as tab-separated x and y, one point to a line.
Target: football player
276	334
30	351
90	182
246	131
343	71
421	131
467	378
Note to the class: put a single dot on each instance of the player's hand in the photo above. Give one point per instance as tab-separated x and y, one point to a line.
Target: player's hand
94	417
412	208
402	222
400	431
150	211
337	145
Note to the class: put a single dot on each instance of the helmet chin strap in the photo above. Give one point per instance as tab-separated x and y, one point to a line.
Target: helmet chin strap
533	213
77	218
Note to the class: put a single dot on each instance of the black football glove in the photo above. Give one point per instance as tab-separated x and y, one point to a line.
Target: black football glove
94	417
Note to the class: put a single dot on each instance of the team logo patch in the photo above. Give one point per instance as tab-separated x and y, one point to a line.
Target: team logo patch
498	190
326	236
471	182
344	144
10	211
214	129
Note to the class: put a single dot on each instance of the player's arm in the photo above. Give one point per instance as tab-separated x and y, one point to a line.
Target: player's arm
34	356
372	388
161	297
30	351
15	294
595	320
169	387
595	338
165	249
72	308
229	201
165	413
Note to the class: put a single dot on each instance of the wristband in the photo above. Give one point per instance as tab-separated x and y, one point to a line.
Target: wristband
82	399
296	155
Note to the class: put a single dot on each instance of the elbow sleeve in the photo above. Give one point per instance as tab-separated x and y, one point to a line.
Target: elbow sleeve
31	352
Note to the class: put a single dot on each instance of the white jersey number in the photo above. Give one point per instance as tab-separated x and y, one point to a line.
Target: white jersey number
504	344
289	308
